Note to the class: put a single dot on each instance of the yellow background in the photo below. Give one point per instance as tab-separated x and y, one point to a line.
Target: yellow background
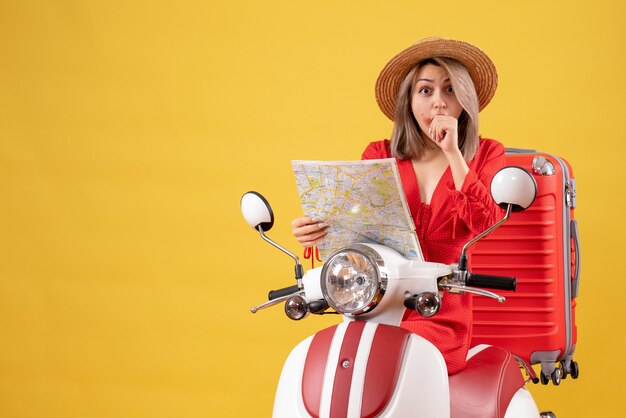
130	129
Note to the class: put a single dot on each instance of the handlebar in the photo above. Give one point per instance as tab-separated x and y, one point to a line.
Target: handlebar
285	291
488	281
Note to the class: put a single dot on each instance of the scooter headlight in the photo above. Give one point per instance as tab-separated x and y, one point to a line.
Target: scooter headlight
352	283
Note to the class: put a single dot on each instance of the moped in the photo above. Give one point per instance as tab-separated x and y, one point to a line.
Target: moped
367	366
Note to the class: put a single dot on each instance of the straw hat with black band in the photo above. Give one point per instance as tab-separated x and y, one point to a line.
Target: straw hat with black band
480	67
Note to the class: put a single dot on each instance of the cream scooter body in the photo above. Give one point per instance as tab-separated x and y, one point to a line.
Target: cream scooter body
421	389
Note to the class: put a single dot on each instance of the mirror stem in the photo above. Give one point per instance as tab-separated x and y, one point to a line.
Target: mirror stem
299	271
463	258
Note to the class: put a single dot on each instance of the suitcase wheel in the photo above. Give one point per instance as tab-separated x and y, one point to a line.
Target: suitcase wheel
571	369
565	369
555	377
574	370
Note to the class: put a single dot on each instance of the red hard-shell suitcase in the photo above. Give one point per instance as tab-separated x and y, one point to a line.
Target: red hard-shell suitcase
540	247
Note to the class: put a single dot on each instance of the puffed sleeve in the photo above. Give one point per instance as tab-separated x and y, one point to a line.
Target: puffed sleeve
375	150
473	204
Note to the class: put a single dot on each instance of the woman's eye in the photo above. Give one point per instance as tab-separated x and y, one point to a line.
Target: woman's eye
450	89
424	90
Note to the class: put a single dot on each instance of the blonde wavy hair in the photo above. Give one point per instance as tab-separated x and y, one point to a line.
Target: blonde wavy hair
407	139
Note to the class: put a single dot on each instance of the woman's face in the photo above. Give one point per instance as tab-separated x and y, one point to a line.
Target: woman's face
433	95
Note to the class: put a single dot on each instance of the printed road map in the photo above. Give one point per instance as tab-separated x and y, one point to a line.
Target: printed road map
361	201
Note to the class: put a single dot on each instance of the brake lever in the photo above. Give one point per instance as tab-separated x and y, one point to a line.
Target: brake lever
454	288
276	301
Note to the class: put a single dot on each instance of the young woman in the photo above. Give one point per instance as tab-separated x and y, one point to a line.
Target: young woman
433	91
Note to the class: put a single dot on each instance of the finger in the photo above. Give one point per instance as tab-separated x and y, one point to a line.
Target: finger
440	128
305	220
309	229
440	131
311	236
434	130
312	242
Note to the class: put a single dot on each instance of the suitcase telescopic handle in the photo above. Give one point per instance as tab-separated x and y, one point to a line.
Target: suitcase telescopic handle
488	281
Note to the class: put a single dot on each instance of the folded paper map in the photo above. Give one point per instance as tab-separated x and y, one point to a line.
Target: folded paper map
361	201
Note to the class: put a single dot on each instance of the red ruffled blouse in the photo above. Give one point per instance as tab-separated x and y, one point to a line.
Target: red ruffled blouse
451	219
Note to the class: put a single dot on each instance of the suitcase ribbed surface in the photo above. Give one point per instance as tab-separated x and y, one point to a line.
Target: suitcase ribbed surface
536	322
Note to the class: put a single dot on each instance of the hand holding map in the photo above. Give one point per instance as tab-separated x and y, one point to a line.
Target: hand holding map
361	201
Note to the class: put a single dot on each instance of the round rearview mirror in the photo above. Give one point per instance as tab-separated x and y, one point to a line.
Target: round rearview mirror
257	211
513	186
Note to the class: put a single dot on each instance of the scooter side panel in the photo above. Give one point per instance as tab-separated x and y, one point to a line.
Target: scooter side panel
288	402
522	406
422	388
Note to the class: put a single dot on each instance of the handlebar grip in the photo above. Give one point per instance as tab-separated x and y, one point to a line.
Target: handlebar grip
488	281
275	294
